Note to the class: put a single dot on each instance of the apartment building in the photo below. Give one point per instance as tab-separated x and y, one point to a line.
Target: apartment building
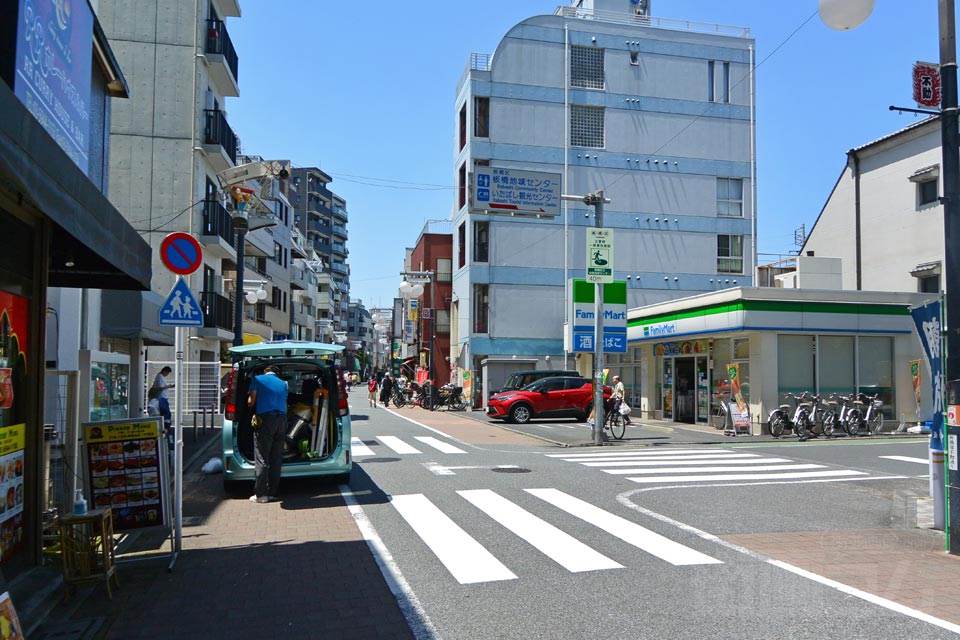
658	113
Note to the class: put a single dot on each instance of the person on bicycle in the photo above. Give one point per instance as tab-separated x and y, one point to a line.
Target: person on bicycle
618	396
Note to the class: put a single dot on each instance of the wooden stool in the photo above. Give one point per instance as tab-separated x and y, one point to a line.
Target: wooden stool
86	545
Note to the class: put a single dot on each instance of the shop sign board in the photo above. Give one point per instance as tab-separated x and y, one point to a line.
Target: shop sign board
682	348
511	191
126	468
926	85
583	314
12	445
180	309
600	255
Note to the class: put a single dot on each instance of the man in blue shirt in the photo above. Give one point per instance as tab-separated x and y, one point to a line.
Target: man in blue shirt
268	400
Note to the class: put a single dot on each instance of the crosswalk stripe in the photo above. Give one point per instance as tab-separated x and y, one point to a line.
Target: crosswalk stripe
643	453
398	445
561	547
770	467
907	459
359	449
440	445
628	461
749	476
465	558
630	532
646	462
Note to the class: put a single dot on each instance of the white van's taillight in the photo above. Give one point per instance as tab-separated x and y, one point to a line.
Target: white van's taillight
343	403
230	411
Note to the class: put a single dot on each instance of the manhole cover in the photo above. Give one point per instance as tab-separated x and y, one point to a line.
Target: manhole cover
366	460
511	470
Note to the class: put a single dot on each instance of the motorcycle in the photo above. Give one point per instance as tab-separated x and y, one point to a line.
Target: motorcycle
448	395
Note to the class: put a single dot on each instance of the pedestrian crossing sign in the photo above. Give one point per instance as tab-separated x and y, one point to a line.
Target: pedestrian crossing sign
180	309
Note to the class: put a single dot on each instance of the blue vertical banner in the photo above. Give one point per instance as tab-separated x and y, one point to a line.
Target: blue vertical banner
927	319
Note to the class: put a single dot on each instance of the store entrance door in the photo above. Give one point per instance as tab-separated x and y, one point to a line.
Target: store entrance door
685	388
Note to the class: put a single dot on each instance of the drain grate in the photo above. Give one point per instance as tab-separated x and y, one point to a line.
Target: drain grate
510	470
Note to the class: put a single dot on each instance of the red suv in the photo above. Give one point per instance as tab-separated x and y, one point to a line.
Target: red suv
557	397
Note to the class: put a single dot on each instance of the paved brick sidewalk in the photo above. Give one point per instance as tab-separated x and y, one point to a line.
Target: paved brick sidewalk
297	568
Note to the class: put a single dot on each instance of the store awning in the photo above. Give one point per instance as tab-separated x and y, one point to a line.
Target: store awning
89	232
133	315
926	269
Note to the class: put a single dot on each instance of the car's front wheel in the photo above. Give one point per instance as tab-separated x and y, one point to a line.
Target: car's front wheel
520	414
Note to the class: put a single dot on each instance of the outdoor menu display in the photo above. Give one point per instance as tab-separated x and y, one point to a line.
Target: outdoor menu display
126	471
12	441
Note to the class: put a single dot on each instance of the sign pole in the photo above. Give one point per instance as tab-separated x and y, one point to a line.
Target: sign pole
598	414
178	444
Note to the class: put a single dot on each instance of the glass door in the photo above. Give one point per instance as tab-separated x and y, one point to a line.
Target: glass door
667	389
703	390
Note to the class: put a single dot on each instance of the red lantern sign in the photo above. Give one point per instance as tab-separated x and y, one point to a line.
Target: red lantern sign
926	85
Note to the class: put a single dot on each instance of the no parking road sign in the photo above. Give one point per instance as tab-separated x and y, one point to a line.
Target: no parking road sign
181	253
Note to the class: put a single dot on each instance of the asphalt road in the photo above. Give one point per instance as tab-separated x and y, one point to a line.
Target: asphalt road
538	541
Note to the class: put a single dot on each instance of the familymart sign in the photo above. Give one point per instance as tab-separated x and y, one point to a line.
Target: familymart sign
583	317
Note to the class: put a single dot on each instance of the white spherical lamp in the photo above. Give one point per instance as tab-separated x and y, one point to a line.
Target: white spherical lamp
405	288
416	290
845	14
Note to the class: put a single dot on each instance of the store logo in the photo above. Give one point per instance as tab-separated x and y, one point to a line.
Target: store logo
664	329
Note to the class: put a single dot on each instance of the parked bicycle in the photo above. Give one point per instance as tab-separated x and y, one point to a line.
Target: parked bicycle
867	415
720	414
779	419
837	416
448	395
399	396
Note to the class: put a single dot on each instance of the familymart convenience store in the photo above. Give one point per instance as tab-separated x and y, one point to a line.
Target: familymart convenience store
784	341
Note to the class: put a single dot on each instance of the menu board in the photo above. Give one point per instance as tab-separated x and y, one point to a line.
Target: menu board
124	463
12	441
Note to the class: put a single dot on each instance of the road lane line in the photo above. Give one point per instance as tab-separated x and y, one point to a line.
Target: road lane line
630	532
398	445
772	467
358	449
751	476
465	558
907	459
440	445
413	612
557	545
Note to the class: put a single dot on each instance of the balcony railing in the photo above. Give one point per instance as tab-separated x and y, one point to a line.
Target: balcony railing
217	311
340	229
217	221
316	226
217	131
339	247
218	41
340	211
336	267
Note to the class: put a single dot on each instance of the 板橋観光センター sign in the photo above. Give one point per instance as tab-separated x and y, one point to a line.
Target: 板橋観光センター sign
511	191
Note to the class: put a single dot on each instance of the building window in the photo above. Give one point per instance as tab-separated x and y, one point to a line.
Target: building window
276	299
586	126
481	241
729	254
725	95
481	117
462	245
463	126
634	58
278	253
481	308
711	80
586	67
462	185
928	284
443	321
730	197
444	270
927	192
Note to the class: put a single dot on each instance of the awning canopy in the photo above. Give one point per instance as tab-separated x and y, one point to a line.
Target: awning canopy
106	252
926	269
133	315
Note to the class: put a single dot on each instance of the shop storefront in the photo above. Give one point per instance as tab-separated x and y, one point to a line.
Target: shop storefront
779	341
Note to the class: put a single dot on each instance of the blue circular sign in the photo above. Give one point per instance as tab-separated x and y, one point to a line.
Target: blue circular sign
181	253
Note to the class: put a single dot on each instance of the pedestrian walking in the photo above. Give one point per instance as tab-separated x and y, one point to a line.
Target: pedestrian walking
386	386
268	401
372	391
159	389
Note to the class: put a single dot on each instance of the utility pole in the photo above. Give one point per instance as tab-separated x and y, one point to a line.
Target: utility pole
596	200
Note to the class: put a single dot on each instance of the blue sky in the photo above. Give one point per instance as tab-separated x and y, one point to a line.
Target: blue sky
366	92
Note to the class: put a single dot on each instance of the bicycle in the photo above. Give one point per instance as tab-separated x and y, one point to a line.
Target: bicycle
615	422
867	414
720	413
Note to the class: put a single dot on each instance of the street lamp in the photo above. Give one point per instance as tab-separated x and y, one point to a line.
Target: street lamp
848	14
411	288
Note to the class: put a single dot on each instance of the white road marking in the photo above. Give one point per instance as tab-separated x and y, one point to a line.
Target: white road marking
398	445
621	462
637	452
647	462
439	444
771	467
751	476
561	547
465	558
358	449
443	470
907	459
630	532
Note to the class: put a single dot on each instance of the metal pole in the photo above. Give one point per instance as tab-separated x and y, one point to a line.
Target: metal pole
178	442
950	143
433	324
598	412
241	233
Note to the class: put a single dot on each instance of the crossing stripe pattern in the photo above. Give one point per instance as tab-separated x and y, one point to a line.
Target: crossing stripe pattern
691	466
471	563
360	449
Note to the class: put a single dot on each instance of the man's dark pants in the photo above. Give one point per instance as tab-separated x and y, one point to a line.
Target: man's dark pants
268	453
